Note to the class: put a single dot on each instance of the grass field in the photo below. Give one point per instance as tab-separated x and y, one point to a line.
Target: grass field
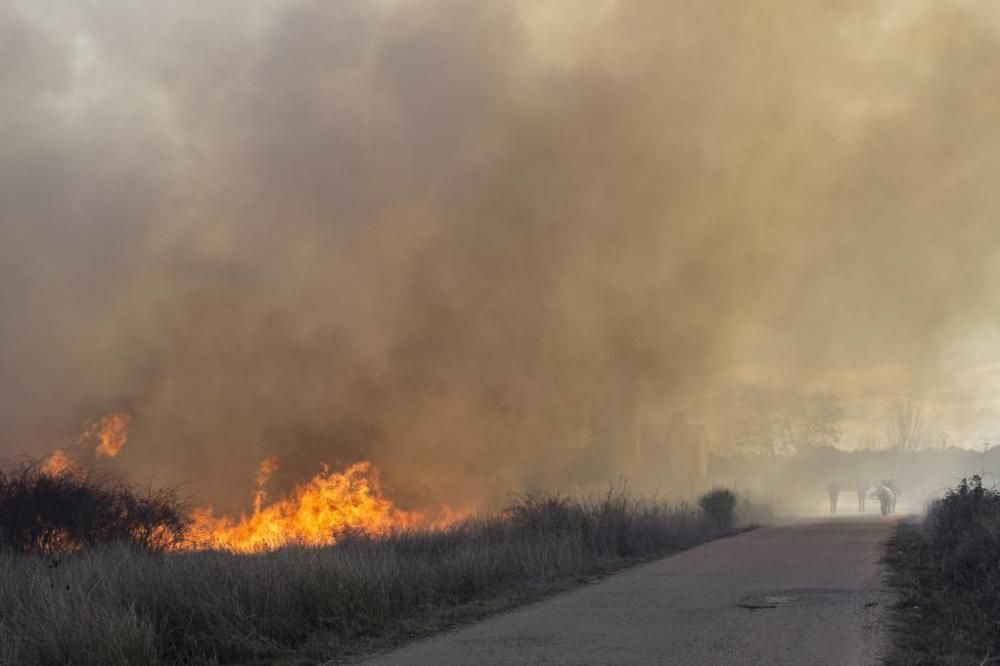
947	573
119	604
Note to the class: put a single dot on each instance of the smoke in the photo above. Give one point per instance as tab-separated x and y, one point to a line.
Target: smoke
467	239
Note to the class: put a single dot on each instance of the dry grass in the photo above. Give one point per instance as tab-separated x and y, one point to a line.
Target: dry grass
122	605
947	574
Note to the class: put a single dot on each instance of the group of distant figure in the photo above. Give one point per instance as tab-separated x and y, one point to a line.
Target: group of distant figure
885	490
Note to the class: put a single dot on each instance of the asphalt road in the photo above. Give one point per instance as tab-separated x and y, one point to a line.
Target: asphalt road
805	593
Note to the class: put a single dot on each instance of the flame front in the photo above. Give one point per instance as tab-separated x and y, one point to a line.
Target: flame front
110	432
317	513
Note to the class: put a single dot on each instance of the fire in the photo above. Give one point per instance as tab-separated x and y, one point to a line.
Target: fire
107	435
110	433
57	463
317	513
268	466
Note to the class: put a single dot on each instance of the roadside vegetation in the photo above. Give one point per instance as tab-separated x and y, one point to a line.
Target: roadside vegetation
947	573
54	513
69	596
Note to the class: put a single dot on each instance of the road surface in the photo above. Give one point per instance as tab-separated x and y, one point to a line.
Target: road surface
805	593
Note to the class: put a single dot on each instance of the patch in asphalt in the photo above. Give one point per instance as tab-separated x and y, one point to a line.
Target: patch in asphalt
779	598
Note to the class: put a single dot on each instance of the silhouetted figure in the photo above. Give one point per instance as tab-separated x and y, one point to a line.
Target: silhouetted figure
886	499
862	495
833	489
894	487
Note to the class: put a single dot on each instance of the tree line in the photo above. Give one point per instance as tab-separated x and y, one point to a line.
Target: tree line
775	422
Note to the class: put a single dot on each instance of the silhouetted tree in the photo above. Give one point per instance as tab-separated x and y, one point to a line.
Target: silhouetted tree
906	431
783	422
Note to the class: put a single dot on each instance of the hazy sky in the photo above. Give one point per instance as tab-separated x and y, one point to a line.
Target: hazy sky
460	236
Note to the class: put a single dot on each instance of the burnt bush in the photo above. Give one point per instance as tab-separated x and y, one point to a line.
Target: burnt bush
719	506
51	513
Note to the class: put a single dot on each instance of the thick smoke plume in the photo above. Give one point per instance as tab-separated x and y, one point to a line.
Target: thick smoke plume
466	239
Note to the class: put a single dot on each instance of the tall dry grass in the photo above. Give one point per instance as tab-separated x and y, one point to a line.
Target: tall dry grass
123	605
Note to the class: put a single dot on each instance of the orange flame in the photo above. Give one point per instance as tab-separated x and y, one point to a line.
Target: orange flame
268	466
57	463
317	513
110	432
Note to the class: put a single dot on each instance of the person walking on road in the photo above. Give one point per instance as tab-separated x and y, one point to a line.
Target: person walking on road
886	499
833	489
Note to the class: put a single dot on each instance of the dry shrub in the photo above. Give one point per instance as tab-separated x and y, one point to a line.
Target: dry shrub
963	531
50	513
947	573
719	505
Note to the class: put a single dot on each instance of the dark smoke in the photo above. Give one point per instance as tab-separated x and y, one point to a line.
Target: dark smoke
469	239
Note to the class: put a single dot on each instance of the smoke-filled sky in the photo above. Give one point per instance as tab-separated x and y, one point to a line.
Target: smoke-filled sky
460	237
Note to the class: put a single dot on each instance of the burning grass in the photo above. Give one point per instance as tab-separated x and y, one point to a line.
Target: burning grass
317	513
119	604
